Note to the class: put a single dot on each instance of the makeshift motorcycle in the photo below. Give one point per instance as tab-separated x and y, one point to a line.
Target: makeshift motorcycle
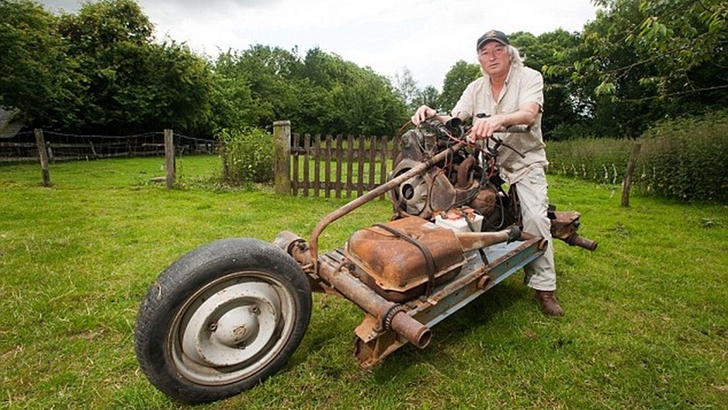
229	314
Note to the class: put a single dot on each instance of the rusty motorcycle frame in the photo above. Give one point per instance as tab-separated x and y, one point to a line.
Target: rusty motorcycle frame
229	314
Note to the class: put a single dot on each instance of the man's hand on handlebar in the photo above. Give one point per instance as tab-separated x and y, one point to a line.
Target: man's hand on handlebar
485	127
422	114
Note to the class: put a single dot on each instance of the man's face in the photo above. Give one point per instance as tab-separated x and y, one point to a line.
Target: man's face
494	58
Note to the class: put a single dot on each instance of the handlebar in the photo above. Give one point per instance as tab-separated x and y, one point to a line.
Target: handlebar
454	126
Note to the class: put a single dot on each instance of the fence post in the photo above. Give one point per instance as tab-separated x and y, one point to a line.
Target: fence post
282	159
43	156
170	163
627	184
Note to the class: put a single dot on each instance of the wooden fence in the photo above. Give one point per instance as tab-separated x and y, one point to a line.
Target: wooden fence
70	147
333	166
67	147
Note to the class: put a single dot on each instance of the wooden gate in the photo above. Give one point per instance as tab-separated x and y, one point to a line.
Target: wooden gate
340	166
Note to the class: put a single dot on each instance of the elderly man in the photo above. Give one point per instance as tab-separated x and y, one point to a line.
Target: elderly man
508	94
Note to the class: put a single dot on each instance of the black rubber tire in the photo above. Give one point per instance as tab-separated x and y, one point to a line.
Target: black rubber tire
211	305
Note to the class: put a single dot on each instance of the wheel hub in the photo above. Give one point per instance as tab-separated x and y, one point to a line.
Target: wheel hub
233	325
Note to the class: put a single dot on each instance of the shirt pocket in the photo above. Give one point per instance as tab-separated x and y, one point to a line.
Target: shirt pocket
507	107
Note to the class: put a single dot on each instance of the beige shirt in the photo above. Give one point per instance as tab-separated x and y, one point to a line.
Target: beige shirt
522	85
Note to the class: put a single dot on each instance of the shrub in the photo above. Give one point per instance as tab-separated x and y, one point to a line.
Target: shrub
686	158
247	156
683	159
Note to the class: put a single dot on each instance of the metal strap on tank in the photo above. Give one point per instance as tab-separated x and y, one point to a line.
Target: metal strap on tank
425	252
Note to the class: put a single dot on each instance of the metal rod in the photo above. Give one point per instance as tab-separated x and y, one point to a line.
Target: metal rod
369	301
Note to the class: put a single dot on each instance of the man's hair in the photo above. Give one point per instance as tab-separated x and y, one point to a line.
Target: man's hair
516	58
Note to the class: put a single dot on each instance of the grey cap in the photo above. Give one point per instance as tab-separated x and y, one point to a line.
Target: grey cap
492	35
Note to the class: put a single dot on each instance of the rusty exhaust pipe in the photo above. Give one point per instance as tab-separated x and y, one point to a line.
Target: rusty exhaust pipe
576	240
369	301
471	241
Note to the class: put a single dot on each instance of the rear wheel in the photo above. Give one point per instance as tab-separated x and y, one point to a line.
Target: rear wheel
221	319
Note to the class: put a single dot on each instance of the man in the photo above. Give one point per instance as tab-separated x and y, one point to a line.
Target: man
508	94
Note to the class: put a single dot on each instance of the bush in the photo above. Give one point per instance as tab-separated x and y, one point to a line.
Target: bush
247	156
684	159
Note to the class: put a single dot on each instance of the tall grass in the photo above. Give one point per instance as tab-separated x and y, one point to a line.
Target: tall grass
646	324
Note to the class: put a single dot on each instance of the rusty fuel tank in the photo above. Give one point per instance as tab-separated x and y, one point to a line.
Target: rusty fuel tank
407	257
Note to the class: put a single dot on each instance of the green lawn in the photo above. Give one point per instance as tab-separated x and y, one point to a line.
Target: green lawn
646	324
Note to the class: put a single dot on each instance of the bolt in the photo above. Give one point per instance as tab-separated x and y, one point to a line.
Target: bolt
483	282
255	310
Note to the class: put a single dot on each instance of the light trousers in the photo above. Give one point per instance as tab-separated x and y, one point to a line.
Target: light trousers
540	274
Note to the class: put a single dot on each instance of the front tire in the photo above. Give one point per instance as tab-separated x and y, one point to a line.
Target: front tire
221	319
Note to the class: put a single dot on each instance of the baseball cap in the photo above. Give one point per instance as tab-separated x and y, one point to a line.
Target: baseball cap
492	35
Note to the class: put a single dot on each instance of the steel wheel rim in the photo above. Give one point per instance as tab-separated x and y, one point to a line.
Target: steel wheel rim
232	328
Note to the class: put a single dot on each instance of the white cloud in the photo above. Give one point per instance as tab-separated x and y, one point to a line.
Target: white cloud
426	36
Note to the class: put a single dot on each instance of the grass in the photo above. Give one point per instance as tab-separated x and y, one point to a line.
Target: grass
646	324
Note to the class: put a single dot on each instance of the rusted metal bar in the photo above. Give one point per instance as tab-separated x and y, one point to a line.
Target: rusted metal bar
564	226
577	240
369	301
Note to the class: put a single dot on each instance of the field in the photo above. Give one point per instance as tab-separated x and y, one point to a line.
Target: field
646	324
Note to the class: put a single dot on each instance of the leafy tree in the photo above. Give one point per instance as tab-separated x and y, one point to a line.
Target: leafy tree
131	84
109	40
266	72
232	102
318	84
370	106
565	105
647	60
181	87
38	77
320	93
429	96
456	80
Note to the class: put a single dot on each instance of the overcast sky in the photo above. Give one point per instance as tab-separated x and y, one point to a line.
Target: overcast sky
426	36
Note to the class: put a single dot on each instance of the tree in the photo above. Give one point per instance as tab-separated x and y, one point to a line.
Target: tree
38	77
129	83
320	93
429	96
564	102
180	84
456	80
647	60
406	88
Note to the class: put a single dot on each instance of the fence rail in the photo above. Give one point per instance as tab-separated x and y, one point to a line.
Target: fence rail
65	147
328	166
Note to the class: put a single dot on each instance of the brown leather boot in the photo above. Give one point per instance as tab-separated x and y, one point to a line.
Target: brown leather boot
549	305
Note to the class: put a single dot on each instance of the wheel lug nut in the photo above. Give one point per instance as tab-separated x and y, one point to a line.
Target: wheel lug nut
255	310
212	327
